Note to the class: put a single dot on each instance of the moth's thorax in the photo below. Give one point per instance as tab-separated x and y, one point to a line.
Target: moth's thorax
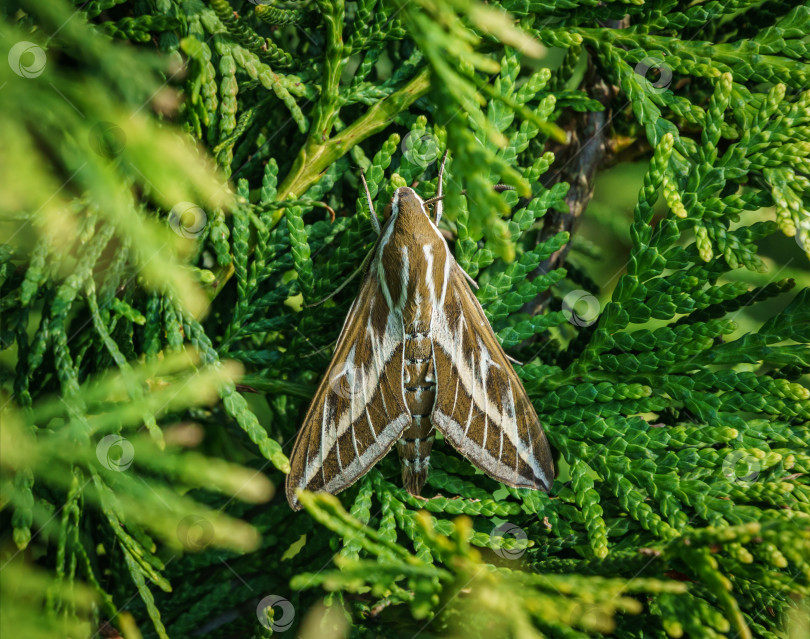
412	262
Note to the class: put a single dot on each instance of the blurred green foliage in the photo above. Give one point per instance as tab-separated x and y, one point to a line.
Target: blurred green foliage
169	172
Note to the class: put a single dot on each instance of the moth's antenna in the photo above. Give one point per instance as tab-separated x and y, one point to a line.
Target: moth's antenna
497	187
438	199
375	222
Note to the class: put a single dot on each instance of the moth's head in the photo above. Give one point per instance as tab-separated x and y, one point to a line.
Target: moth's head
405	202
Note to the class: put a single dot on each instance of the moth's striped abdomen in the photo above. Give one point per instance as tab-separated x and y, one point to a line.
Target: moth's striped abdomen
419	379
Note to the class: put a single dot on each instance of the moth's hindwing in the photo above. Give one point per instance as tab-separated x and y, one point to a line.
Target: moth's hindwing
481	406
358	411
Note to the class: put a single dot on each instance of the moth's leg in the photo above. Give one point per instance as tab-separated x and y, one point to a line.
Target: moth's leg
357	271
439	205
375	222
323	349
513	360
469	278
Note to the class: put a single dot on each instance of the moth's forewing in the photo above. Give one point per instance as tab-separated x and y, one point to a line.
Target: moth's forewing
481	406
358	411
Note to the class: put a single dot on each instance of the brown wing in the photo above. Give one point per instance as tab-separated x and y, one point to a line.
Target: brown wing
358	411
481	406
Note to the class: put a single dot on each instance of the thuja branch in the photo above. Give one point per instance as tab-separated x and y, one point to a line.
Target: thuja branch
318	154
315	157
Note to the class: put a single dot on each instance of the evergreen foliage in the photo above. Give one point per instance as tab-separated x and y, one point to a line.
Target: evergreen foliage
180	183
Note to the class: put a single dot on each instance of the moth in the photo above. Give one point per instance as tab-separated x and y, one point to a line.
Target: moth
417	354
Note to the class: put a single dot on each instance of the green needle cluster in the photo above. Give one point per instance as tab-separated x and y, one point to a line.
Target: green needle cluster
180	189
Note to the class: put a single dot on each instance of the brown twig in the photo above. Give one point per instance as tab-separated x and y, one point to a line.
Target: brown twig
579	159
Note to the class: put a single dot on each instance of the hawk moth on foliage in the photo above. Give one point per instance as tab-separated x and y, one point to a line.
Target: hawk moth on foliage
417	353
